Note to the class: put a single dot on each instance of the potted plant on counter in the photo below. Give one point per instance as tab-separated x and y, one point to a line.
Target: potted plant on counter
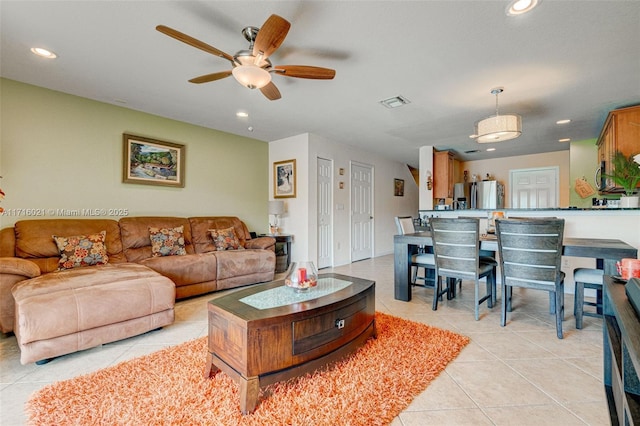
626	174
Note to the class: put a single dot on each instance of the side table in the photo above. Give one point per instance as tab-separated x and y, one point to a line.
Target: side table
283	248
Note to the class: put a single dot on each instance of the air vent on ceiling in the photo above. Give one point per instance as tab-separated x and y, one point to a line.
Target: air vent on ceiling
395	102
472	151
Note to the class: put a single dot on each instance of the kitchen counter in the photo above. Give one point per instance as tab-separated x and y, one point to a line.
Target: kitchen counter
597	208
615	223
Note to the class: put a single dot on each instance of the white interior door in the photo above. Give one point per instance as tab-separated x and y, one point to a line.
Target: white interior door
534	188
361	212
324	213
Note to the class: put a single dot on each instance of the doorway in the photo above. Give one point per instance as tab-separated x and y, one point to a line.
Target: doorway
534	188
325	228
361	212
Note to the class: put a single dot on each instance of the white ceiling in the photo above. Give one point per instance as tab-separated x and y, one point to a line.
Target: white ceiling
565	59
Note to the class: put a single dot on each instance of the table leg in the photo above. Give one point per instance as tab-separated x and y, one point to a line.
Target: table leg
249	392
209	368
401	271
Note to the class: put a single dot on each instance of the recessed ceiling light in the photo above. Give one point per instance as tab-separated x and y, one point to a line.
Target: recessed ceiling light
518	7
564	140
242	114
43	53
565	121
491	149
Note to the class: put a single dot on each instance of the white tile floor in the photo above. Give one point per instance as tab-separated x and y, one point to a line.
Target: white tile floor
517	375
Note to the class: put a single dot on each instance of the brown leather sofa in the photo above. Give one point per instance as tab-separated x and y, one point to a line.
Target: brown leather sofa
55	312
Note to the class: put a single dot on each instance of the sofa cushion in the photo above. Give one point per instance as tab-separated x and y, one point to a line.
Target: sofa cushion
225	239
81	250
185	270
136	240
200	226
33	239
167	241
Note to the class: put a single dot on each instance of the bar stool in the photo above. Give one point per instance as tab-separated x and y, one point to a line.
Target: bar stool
587	278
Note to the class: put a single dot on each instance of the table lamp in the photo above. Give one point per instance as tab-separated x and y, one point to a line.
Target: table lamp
276	208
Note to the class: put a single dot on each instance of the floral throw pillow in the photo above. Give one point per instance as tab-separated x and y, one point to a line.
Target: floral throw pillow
225	239
81	250
167	241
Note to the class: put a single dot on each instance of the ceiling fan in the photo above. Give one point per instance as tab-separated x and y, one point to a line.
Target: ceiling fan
252	67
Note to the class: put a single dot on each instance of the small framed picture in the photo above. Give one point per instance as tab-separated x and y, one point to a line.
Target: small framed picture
152	162
398	187
284	179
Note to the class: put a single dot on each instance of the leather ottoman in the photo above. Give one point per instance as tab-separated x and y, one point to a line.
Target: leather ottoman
71	310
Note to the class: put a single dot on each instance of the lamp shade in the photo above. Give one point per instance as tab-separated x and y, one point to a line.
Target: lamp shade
498	128
276	207
251	76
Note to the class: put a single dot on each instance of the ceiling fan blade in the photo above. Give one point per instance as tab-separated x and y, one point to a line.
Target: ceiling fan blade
271	92
270	36
303	71
193	42
210	77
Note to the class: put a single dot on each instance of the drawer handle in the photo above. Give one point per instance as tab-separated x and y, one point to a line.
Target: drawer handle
339	323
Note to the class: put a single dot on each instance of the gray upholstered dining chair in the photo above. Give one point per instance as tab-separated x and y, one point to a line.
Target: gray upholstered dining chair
420	259
530	257
456	246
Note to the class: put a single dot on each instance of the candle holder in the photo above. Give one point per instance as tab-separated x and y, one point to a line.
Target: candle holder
301	276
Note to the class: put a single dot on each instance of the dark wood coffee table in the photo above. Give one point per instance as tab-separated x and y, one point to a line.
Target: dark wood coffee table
267	333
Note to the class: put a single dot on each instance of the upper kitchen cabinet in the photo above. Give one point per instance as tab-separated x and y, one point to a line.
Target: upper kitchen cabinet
443	174
621	132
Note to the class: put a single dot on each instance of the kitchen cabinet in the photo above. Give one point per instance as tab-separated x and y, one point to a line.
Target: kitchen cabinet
443	174
621	132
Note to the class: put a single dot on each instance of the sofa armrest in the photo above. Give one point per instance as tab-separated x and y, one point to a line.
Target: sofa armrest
17	266
264	243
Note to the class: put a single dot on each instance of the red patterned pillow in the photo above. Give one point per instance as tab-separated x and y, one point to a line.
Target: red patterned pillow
81	250
225	239
167	241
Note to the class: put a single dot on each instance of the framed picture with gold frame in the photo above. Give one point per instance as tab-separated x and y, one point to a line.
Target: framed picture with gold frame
284	179
152	162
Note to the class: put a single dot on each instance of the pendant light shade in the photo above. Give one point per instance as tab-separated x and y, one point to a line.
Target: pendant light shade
498	128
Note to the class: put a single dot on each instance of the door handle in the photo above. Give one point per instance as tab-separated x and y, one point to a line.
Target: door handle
597	179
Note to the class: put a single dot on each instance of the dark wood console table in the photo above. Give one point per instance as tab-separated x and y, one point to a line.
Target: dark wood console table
621	330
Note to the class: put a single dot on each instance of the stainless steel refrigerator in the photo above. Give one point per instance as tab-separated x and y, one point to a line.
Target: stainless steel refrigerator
490	195
486	195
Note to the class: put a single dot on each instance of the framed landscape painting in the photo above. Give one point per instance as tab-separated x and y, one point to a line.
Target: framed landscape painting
152	162
284	179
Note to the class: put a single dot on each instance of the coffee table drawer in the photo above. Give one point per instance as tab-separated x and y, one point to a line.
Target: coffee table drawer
337	326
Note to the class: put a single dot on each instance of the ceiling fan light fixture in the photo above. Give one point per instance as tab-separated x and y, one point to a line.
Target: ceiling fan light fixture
498	128
251	76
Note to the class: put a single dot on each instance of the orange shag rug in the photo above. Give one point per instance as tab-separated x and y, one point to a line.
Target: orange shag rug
370	387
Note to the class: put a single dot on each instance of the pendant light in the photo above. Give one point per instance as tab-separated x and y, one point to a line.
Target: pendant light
498	128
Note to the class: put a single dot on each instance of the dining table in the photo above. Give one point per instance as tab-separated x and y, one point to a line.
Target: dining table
606	252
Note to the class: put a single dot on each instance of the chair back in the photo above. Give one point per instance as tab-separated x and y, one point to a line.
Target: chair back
456	246
405	225
530	251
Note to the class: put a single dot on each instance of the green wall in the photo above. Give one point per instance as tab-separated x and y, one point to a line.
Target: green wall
61	152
